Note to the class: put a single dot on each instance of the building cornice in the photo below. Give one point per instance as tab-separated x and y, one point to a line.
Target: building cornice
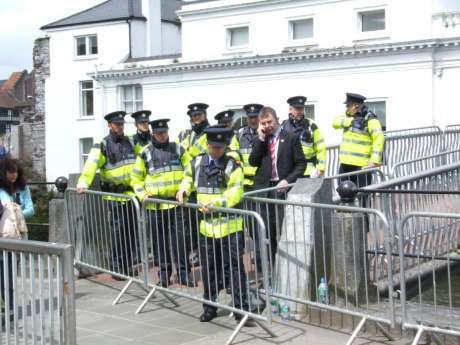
136	71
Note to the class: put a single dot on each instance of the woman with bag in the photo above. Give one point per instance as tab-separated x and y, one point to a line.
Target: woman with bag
15	206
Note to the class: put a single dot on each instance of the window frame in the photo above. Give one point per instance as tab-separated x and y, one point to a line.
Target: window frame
228	37
293	21
88	53
361	22
375	34
134	101
383	121
83	155
81	93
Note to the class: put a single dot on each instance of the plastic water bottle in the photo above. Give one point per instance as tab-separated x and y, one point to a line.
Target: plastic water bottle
285	311
323	292
275	305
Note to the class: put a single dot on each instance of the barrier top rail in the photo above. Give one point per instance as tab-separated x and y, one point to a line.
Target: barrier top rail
436	155
378	171
413	131
407	179
34	247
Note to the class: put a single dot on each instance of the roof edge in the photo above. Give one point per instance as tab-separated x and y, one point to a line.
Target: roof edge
50	26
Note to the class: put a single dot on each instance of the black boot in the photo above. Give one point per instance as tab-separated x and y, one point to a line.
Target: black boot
208	315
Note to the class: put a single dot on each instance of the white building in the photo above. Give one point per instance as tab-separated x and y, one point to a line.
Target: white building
404	55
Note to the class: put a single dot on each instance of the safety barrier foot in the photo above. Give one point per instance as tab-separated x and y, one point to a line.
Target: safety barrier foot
146	300
122	292
242	323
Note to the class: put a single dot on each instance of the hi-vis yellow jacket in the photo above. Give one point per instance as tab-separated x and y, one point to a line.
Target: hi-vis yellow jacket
363	139
158	173
115	160
221	185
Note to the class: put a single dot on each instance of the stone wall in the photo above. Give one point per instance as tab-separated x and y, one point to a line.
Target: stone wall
37	118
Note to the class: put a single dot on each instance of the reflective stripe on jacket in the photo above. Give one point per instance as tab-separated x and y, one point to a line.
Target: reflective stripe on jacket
222	186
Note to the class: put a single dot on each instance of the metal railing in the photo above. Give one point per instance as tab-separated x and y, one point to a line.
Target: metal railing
107	233
407	145
38	292
151	246
413	166
312	244
433	305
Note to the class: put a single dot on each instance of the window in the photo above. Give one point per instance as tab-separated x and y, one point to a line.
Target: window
310	111
372	20
85	146
132	98
238	37
86	45
86	98
379	108
239	119
301	29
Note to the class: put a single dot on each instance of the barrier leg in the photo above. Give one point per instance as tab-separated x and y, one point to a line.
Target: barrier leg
122	292
357	330
145	301
384	331
237	329
265	328
418	335
437	339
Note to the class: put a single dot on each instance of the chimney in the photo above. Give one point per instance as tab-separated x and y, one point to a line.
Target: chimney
151	9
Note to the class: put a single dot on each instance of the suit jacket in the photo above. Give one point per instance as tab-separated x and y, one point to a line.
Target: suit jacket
291	161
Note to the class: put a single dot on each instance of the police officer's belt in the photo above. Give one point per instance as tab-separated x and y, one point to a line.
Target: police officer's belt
113	188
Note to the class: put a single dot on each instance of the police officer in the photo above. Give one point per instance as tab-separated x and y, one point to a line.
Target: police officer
225	119
313	145
194	143
193	140
142	136
218	180
158	173
114	157
363	139
246	137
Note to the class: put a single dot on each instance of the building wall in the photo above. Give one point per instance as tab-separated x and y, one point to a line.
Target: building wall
336	24
64	125
171	38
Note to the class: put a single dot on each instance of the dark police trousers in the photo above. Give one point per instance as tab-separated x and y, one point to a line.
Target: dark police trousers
123	236
222	264
361	180
169	233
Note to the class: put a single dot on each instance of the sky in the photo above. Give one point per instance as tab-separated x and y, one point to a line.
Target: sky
20	22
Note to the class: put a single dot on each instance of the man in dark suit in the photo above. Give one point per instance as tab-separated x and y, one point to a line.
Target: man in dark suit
279	159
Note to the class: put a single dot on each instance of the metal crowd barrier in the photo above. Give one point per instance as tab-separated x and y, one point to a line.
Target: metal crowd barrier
452	137
429	276
38	293
406	145
413	166
340	249
107	234
228	276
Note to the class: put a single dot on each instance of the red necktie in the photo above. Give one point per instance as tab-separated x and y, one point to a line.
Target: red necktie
272	148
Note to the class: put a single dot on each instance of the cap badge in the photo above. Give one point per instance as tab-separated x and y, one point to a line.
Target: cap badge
252	108
195	107
219	136
160	124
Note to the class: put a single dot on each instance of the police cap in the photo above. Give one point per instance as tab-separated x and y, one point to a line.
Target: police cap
197	108
115	117
354	98
225	116
252	109
218	136
160	125
141	116
297	101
